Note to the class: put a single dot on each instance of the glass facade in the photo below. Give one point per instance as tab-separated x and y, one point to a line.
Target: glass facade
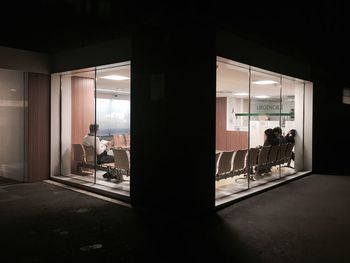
255	111
260	125
12	125
94	126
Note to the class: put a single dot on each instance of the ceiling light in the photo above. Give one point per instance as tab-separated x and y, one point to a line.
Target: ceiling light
241	94
115	77
261	97
223	91
112	91
106	90
264	82
13	90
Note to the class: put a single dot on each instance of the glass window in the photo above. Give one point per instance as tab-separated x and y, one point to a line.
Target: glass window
113	118
260	118
95	128
265	120
232	108
292	125
12	141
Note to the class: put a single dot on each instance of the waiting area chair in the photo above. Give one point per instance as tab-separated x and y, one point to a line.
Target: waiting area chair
84	157
78	160
121	161
224	167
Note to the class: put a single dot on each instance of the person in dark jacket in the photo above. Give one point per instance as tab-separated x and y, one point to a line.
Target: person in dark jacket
270	138
278	133
290	136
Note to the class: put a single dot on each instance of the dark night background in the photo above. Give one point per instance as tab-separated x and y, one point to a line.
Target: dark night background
303	221
316	34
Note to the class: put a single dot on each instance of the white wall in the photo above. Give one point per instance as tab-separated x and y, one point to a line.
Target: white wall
66	116
257	131
236	105
299	127
308	127
55	125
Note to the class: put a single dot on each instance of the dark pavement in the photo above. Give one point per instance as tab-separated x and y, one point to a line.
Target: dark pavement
306	220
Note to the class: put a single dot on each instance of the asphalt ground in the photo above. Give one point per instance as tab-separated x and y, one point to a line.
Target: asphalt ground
305	220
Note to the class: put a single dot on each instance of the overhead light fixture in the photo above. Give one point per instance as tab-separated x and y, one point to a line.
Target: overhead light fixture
106	90
223	91
261	97
112	91
264	82
123	92
241	94
115	77
13	90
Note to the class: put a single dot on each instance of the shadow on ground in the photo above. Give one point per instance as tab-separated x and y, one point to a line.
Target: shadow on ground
46	223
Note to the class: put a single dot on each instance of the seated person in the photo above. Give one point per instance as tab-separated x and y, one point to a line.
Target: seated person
270	138
102	147
278	133
290	137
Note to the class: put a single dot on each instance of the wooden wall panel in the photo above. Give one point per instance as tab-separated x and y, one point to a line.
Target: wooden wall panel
38	151
221	123
227	140
243	140
83	106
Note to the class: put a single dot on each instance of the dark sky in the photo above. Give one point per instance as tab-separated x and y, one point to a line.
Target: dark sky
314	33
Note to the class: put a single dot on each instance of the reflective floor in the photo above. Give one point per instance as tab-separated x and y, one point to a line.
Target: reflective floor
225	194
237	184
110	185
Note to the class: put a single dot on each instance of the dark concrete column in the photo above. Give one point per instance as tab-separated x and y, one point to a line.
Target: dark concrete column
173	87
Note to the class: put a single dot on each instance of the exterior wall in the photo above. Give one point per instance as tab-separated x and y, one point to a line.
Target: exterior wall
12	124
173	154
240	50
38	127
36	123
110	52
330	125
24	60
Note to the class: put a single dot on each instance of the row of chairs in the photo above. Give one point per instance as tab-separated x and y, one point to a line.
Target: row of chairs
121	140
84	157
232	163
